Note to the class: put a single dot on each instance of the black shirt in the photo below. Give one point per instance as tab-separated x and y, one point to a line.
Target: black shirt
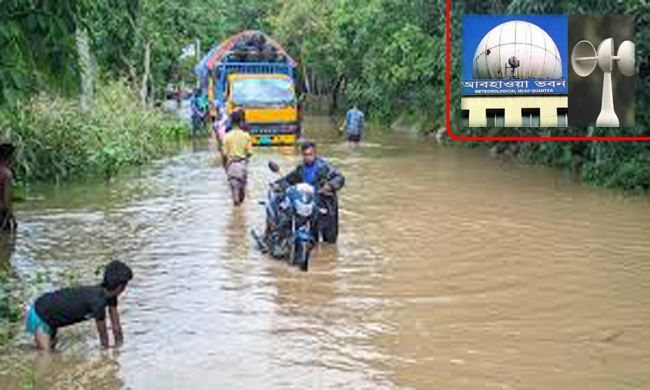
71	305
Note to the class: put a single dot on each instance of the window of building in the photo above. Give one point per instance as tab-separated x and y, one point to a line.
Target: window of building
530	117
465	116
495	118
562	117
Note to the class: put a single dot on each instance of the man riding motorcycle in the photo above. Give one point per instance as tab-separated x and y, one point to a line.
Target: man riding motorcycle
327	181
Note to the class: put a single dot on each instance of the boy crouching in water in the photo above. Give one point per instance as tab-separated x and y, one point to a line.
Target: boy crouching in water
69	306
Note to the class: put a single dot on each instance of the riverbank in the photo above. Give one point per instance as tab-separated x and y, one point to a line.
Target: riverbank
620	164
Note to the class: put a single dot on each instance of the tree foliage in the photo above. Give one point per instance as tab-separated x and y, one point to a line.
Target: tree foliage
38	46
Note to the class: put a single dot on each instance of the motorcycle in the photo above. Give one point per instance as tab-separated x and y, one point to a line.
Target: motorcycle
291	217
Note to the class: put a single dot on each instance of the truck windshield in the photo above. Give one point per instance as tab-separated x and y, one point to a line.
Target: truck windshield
263	91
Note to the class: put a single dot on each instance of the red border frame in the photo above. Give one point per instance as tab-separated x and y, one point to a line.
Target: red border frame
518	138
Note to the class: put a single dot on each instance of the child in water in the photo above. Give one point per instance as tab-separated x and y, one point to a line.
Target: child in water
69	306
7	220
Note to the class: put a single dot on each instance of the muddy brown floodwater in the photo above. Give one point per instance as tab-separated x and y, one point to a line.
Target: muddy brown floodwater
453	271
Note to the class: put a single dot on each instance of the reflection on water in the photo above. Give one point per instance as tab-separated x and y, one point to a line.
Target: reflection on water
453	270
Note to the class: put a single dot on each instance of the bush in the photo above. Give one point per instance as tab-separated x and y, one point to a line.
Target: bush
55	140
10	306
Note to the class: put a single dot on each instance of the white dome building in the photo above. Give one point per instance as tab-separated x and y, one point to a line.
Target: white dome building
535	50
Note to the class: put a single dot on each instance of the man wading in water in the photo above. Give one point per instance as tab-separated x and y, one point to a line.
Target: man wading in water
354	125
236	151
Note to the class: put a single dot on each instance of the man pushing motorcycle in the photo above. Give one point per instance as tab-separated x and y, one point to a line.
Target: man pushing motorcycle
327	181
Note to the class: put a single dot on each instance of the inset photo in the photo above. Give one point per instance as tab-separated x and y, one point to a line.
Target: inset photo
514	70
601	79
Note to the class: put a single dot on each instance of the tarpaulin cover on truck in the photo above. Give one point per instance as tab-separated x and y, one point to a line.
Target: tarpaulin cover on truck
247	46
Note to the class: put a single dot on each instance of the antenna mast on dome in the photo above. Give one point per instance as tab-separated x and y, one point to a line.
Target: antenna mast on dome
514	64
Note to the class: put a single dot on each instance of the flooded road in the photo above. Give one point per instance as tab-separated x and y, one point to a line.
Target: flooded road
453	271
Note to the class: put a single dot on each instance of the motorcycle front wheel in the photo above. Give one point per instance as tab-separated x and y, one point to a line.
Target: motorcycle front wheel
300	254
279	248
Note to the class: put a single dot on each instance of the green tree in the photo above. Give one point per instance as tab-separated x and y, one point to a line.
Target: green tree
38	46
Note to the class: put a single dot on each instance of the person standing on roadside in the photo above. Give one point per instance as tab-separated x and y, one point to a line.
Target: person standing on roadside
198	106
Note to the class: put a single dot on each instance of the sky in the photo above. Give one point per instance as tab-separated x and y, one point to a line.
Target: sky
555	25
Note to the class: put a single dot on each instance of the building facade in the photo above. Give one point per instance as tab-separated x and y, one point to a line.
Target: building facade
517	80
515	111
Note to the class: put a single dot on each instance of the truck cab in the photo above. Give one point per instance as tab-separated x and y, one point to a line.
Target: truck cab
270	104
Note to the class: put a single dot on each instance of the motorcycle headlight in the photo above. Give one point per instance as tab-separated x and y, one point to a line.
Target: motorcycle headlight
304	209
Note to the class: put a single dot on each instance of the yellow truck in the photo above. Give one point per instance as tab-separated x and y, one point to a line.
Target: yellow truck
251	71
